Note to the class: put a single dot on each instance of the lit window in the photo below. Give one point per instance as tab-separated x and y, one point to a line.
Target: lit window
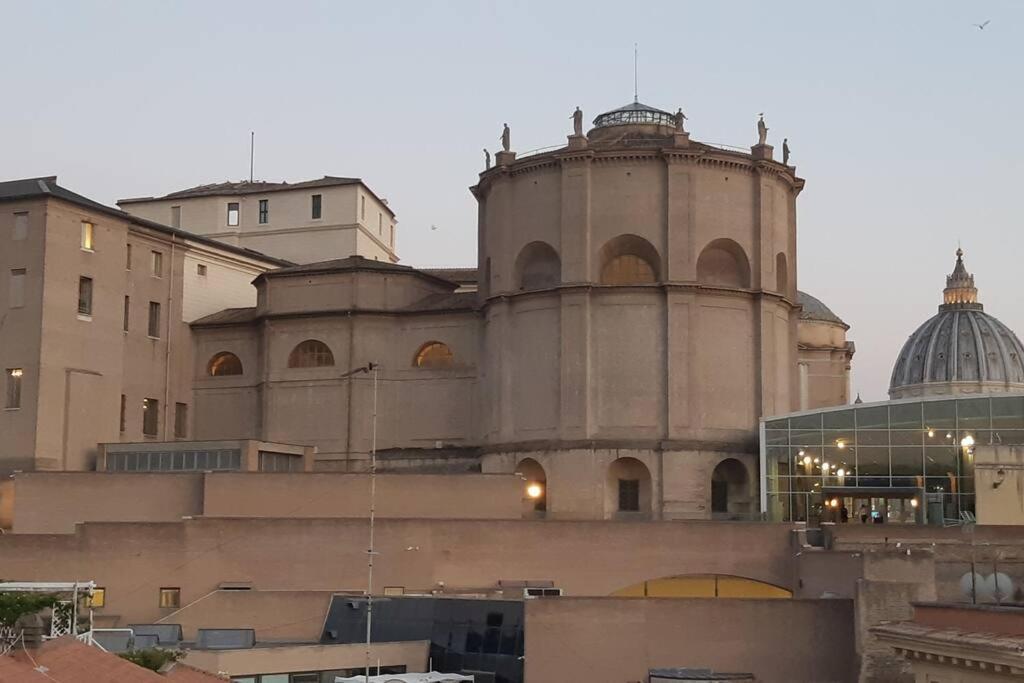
627	269
232	213
317	206
124	410
170	597
17	288
180	420
150	416
20	226
98	598
201	269
264	210
629	495
157	264
127	311
128	258
311	354
85	296
434	356
154	319
14	387
224	363
87	235
175	216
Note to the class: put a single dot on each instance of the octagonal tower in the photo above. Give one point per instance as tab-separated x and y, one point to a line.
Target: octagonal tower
639	296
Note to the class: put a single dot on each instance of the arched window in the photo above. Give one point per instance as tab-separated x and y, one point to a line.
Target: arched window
311	354
535	487
723	263
729	488
781	274
538	266
434	356
629	260
628	490
224	363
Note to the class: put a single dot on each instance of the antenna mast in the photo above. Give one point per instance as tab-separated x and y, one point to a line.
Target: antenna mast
636	96
252	149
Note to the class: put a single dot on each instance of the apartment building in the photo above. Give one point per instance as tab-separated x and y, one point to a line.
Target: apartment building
304	222
94	309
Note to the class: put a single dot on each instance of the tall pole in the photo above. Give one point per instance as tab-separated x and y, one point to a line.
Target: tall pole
373	500
252	151
636	86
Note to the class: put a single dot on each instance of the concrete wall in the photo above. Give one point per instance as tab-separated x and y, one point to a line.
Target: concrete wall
53	503
227	282
281	616
414	496
999	484
823	358
301	658
134	560
610	640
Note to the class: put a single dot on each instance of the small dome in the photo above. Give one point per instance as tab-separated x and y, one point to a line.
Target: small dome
814	309
960	348
635	113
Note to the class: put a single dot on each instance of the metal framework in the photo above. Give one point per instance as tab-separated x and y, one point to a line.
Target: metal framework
635	114
65	611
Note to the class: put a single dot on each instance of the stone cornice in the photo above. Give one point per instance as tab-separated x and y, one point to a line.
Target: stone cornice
674	287
953	648
538	445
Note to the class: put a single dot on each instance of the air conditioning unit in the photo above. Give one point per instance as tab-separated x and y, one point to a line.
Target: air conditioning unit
541	592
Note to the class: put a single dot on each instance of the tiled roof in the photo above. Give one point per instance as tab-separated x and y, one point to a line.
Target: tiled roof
30	188
229	316
814	309
460	301
69	661
352	263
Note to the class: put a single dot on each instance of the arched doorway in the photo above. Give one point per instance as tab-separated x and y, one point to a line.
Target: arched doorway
730	490
628	490
535	488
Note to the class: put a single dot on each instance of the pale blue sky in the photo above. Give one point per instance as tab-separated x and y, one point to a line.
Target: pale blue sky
907	122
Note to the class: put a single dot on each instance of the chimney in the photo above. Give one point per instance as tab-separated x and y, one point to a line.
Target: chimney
31	627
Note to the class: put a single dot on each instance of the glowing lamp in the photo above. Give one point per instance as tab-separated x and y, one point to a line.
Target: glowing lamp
534	490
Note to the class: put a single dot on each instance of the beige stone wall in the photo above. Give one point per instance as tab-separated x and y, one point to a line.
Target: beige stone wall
609	640
823	358
227	282
133	561
277	616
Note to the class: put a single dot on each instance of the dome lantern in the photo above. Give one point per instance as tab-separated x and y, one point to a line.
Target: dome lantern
960	291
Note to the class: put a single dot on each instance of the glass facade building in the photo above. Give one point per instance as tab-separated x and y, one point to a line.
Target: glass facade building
909	461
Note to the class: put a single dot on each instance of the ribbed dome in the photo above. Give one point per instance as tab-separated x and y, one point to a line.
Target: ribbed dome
961	349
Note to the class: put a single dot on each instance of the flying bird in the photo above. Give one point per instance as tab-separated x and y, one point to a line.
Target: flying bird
981	26
433	227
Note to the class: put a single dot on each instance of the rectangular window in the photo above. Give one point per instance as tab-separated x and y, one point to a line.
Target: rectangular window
318	205
170	597
201	269
98	597
150	416
157	263
154	319
17	288
124	411
87	235
85	296
20	226
362	207
264	211
14	387
180	420
127	310
175	216
629	495
128	258
232	213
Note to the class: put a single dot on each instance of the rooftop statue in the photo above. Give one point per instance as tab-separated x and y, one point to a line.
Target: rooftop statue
577	122
680	121
762	131
785	151
506	139
487	159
